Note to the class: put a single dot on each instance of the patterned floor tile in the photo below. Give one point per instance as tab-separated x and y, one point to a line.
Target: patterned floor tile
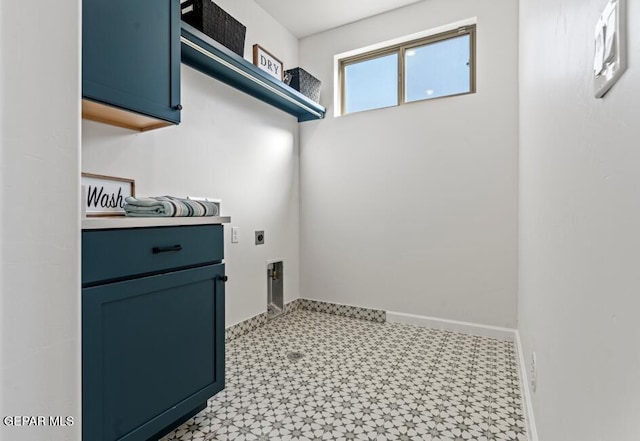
361	380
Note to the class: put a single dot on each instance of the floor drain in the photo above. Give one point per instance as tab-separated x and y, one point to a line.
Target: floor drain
295	356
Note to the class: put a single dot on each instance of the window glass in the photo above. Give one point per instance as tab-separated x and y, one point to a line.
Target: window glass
371	84
438	69
430	67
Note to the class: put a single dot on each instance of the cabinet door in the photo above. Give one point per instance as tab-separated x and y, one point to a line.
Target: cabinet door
152	351
131	55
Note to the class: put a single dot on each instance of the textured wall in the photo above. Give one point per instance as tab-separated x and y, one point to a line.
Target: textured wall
579	217
40	216
414	208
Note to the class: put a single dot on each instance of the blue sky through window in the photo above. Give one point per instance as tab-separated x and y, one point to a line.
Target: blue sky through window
371	84
437	69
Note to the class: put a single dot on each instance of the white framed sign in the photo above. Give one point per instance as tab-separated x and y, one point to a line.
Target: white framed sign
267	62
104	195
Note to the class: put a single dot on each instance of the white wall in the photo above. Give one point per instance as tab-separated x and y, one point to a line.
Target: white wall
579	217
264	30
414	208
229	146
40	221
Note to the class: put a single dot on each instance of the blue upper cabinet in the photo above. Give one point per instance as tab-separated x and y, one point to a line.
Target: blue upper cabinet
131	62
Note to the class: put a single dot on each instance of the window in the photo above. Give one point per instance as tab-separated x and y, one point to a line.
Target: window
371	84
432	67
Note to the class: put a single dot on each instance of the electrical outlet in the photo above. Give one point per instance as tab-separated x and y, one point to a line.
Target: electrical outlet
235	233
260	237
533	373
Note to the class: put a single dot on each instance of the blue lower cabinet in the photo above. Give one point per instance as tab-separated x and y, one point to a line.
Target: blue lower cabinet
152	352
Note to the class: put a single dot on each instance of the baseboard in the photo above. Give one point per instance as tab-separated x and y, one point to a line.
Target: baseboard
452	325
252	323
532	433
357	312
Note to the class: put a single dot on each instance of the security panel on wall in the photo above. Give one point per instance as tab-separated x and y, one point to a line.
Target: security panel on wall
610	59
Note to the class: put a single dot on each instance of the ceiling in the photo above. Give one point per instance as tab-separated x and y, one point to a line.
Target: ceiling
306	17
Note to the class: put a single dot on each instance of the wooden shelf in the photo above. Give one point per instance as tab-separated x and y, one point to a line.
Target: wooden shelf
114	116
213	59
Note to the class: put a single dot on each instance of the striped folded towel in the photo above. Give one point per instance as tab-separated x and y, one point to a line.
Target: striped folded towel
168	206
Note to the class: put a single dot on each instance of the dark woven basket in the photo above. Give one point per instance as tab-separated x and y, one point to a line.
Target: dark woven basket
211	19
303	82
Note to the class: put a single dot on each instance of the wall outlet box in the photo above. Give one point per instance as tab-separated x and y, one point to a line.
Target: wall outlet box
235	234
533	378
260	237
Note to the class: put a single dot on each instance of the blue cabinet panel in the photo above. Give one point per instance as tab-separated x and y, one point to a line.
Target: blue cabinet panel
131	55
121	253
148	351
152	328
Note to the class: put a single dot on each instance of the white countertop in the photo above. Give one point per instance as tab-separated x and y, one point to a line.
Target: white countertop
106	222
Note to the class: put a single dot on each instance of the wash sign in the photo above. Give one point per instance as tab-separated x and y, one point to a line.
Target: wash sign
105	195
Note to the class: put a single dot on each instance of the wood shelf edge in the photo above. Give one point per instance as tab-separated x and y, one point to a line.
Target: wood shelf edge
106	114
